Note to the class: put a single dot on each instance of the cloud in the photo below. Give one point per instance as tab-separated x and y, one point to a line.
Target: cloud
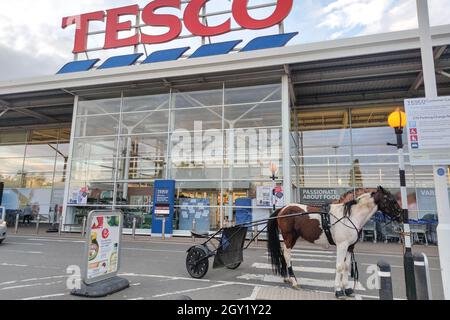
16	64
31	29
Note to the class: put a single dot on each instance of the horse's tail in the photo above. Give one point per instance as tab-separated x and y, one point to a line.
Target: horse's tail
273	246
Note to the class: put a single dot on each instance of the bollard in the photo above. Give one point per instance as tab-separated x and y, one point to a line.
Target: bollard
16	227
163	236
422	277
134	228
194	226
60	225
83	230
38	221
384	274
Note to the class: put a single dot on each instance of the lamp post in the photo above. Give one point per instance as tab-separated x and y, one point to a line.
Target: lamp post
273	170
397	121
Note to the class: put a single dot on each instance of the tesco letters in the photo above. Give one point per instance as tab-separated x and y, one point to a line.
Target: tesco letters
191	19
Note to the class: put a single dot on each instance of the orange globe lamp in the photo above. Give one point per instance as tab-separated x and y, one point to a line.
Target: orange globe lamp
397	120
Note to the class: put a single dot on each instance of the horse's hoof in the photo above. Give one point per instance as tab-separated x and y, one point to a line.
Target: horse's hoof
287	281
340	295
349	292
296	287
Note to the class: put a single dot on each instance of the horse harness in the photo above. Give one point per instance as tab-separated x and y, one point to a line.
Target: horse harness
327	225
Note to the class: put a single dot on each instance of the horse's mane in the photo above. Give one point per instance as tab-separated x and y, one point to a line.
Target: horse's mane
348	205
352	194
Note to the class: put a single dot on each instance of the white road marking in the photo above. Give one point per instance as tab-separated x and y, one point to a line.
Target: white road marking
312	260
300	269
312	255
161	277
56	240
45	297
191	290
32	279
4	264
303	281
153	250
324	252
253	295
137	299
309	260
396	266
23	251
25	243
31	285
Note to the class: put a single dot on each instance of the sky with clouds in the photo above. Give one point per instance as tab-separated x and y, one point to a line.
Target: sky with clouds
32	42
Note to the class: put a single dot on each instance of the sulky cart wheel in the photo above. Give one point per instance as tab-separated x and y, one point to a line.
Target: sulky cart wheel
234	266
197	263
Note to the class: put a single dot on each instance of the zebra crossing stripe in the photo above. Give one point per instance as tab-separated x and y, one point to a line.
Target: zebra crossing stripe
308	260
300	269
317	283
323	252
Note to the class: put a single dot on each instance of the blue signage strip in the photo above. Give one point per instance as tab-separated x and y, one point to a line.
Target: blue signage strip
268	42
214	49
78	66
163	206
120	61
165	55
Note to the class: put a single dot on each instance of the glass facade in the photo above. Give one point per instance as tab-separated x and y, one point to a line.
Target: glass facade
216	142
33	170
344	149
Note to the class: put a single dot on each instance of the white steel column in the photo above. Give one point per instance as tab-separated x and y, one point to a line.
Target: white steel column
285	138
69	164
439	172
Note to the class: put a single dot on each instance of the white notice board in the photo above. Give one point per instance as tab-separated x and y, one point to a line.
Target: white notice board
428	131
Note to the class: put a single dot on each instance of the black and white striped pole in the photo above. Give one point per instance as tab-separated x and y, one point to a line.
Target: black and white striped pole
397	121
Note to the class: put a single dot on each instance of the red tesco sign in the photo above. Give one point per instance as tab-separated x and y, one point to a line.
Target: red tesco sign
191	19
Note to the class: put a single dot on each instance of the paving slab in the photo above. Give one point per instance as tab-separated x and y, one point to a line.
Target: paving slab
290	294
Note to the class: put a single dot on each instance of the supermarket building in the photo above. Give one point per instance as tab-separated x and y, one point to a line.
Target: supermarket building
98	139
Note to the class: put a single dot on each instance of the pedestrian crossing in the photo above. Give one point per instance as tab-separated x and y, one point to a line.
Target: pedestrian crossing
315	271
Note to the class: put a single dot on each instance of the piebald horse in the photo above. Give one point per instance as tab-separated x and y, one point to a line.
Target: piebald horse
346	220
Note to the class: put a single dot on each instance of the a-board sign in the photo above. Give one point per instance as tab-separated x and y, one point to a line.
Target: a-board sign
428	131
102	251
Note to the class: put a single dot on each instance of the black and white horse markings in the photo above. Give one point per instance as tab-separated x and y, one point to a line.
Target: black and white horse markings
347	219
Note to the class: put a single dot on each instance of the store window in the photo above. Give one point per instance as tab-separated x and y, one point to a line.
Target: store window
217	141
345	149
34	168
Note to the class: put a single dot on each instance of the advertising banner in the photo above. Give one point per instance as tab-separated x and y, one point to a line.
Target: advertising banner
279	197
320	196
79	196
428	130
263	196
33	201
103	245
425	203
197	209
